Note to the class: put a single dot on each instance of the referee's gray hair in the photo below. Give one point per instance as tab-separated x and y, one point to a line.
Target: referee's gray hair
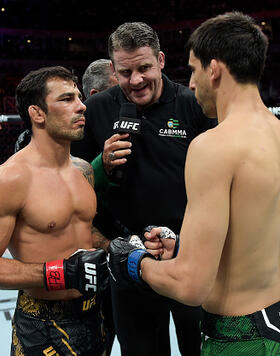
96	76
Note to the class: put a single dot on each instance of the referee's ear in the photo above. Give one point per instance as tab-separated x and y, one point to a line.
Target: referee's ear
161	59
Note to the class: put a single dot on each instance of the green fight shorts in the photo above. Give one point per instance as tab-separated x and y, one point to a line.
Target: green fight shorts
256	334
57	328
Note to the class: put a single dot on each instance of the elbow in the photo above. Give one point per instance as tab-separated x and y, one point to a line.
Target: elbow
193	298
194	286
194	294
198	299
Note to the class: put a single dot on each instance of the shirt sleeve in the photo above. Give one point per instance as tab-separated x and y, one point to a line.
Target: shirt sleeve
102	181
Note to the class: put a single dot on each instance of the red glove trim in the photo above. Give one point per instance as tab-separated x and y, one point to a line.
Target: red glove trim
54	275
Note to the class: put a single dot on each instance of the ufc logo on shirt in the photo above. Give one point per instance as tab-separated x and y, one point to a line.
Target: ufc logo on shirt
90	275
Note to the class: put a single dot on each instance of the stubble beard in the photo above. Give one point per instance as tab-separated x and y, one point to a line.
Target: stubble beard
68	135
78	135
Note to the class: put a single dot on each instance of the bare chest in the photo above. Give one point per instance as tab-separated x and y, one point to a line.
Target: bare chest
54	202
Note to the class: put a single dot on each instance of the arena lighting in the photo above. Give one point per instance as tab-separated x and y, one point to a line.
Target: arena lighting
9	118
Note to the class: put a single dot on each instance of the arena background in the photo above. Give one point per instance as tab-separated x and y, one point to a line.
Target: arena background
73	33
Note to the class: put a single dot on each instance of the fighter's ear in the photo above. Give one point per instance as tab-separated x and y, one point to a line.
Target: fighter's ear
215	69
37	115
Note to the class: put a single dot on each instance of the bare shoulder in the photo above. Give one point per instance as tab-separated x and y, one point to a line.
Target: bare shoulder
14	170
208	143
15	177
85	168
216	143
212	154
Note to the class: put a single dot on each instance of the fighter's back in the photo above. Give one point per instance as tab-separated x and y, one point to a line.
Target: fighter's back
249	269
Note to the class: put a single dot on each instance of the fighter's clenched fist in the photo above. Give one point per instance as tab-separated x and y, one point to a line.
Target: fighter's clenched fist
85	271
125	256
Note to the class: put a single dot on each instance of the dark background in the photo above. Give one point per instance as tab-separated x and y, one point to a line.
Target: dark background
73	33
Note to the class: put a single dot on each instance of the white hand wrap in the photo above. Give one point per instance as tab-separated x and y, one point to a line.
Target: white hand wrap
166	233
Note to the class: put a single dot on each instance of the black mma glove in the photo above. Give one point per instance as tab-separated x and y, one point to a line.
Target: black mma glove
166	233
124	259
86	271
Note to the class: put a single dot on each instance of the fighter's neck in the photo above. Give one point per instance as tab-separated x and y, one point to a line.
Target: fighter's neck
51	153
236	99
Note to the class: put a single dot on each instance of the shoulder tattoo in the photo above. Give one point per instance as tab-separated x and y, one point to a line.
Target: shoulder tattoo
85	168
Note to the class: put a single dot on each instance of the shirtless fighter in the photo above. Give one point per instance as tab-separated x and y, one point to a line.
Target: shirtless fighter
228	258
46	212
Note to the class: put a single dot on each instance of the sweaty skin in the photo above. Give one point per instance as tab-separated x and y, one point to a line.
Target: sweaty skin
46	204
247	194
56	215
228	259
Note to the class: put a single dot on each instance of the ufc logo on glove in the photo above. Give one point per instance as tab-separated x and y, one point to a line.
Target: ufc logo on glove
84	270
90	274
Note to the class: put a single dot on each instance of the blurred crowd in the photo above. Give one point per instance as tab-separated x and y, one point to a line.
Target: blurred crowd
62	32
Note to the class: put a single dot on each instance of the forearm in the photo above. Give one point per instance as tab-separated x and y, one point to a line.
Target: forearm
99	240
130	263
167	278
157	275
18	275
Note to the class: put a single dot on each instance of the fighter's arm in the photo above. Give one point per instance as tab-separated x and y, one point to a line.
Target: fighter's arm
99	240
85	168
13	273
190	277
76	272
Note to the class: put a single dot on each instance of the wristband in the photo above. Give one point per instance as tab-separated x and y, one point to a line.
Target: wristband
133	264
54	275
